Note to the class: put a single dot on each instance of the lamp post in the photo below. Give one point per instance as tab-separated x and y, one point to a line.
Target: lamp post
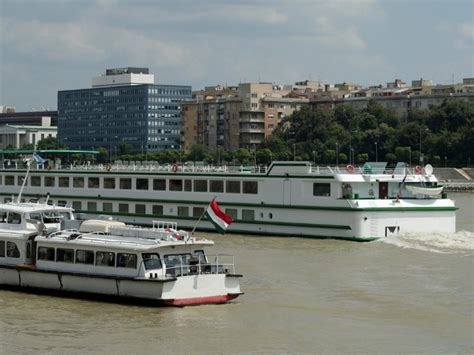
314	157
337	156
294	151
376	152
421	155
409	156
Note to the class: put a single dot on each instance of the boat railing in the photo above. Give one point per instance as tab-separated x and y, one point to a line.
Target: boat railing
350	169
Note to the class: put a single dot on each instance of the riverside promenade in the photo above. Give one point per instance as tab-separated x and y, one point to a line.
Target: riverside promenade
456	179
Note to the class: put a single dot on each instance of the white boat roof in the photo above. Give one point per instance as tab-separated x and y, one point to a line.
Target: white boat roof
22	207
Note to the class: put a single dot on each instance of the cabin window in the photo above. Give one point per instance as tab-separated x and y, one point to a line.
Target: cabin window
63	181
142	184
84	257
109	183
250	187
35	181
200	185
216	186
125	184
123	207
12	250
248	215
107	207
9	180
65	255
49	181
45	253
152	261
91	206
321	189
183	211
62	203
176	185
36	216
232	187
188	185
7	199
157	210
77	205
198	211
174	262
93	183
127	260
20	180
231	212
201	256
105	258
78	182
2	248
159	184
140	208
14	218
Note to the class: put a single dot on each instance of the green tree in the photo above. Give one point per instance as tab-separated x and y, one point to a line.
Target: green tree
243	156
125	148
50	143
199	152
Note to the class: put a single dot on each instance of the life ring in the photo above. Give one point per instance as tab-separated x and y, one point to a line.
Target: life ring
175	168
108	167
350	169
418	169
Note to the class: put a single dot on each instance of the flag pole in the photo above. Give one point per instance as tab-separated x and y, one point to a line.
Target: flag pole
202	215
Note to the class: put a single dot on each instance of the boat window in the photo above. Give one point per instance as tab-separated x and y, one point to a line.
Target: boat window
65	255
105	258
125	184
12	250
140	208
159	184
176	185
123	207
107	207
216	186
109	183
198	211
36	181
232	212
201	256
183	211
7	199
20	181
36	216
151	261
93	183
65	215
45	253
28	249
188	185
63	181
9	180
232	187
321	189
250	187
14	218
157	210
173	260
142	184
62	203
84	257
78	182
200	185
92	206
77	205
2	248
52	217
127	260
248	215
49	181
3	217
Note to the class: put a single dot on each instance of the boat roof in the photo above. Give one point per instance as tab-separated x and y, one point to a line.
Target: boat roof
22	207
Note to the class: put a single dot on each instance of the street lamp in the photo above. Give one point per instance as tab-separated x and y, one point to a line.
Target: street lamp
294	151
337	156
314	157
376	152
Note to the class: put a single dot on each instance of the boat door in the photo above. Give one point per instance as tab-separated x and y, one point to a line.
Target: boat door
30	251
383	190
287	192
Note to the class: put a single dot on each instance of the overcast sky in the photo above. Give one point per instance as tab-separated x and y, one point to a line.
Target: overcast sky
46	46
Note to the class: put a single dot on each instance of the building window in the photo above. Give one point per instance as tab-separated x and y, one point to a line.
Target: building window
46	253
248	215
84	257
176	185
35	181
198	211
159	184
232	212
142	184
232	187
93	183
78	182
105	258
216	186
140	208
321	189
109	183
77	205
65	255
250	187
63	181
123	207
91	206
125	184
127	260
157	210
183	211
49	181
107	207
200	185
9	180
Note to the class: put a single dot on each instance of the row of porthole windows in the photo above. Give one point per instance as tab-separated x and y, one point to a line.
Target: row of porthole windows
197	185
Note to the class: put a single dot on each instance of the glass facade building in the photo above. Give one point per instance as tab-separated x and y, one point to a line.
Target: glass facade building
145	116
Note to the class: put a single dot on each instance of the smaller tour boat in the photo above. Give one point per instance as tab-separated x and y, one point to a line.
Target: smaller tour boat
42	247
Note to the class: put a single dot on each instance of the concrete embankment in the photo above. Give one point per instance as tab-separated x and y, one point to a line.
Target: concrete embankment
456	179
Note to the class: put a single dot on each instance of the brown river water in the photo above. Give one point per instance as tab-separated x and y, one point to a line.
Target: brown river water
411	294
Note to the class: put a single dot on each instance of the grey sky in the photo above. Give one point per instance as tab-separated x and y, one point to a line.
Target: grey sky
46	46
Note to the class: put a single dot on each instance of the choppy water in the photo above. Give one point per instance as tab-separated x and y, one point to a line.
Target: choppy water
411	294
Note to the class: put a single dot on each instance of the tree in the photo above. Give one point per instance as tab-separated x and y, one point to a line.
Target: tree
103	155
199	152
242	155
125	148
264	156
50	143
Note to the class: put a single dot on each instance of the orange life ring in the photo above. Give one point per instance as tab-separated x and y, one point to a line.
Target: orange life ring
418	169
350	169
175	168
108	167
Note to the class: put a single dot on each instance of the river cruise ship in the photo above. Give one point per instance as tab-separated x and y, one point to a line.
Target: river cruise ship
42	247
294	199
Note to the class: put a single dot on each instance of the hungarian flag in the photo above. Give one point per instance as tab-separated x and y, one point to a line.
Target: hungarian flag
220	220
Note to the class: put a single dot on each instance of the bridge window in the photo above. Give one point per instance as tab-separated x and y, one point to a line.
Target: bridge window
152	261
321	189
